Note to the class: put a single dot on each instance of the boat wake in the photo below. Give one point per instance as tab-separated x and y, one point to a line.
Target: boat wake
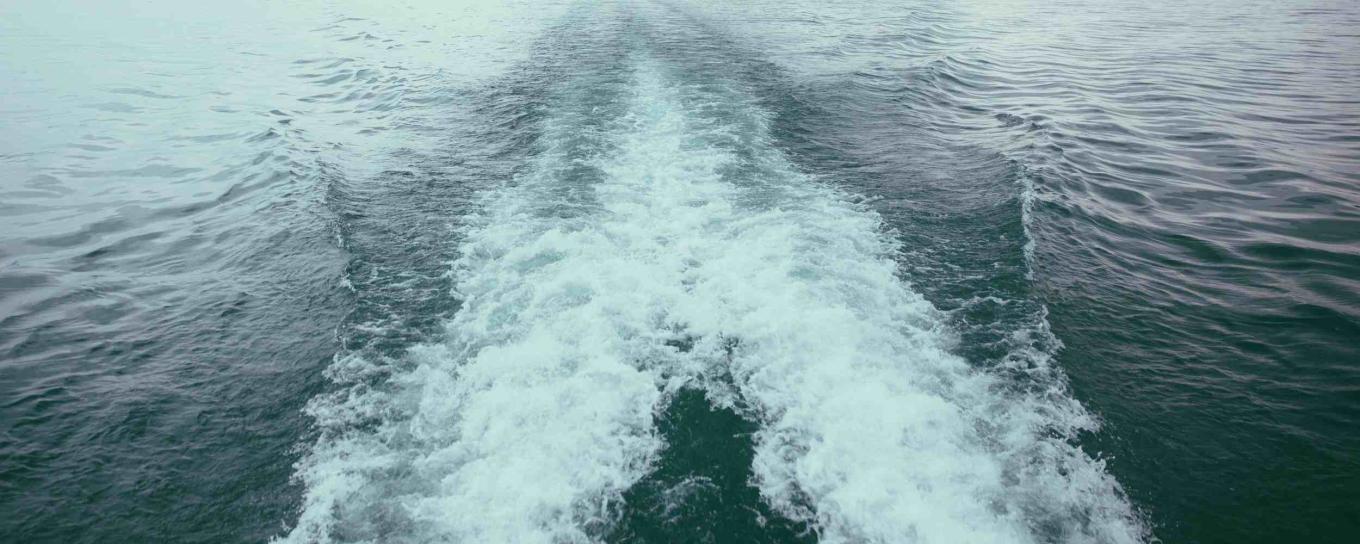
671	245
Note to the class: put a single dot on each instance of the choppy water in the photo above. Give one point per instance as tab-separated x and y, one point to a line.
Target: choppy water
975	271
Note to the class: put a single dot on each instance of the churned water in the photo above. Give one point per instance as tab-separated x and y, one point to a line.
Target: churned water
422	271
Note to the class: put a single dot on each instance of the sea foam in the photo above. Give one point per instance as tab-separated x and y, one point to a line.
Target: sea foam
696	255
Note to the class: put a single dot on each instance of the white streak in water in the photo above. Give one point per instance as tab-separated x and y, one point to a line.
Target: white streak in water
538	411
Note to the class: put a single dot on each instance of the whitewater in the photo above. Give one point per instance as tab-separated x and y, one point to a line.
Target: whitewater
692	254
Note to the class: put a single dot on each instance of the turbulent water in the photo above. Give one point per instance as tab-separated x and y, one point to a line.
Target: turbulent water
974	271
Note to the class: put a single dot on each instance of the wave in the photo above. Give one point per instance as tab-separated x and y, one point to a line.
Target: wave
677	249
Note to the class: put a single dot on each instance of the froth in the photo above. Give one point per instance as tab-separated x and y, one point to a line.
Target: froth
700	256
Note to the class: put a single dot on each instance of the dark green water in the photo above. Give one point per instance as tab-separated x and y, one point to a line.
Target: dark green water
978	271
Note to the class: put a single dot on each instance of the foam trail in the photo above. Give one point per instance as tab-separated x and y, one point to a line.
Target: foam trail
537	413
871	429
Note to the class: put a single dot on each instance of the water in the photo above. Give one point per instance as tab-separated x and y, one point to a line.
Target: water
679	271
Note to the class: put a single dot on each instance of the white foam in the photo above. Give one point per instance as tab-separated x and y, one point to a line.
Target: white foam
1027	199
538	411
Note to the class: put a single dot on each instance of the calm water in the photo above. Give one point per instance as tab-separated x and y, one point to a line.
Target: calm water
971	271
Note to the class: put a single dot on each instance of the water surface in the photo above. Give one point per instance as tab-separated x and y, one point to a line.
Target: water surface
679	271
